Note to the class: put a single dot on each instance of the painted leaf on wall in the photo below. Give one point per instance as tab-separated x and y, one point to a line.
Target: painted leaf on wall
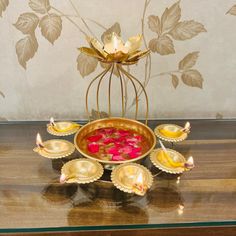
175	80
95	115
188	61
187	30
27	23
192	78
26	49
154	24
106	36
2	94
170	17
163	45
40	6
86	64
3	6
232	10
51	26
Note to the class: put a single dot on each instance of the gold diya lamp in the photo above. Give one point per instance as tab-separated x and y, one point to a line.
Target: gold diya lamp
172	133
62	128
54	148
132	178
170	161
81	171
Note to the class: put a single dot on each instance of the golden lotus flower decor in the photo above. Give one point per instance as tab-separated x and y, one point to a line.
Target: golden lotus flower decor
115	143
115	53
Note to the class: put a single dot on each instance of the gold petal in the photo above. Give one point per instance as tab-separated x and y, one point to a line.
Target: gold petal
90	52
95	44
138	55
117	57
134	43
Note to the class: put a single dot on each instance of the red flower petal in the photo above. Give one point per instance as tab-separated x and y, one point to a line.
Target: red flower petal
109	130
137	149
114	151
117	158
93	147
123	132
127	149
94	138
108	140
138	137
134	154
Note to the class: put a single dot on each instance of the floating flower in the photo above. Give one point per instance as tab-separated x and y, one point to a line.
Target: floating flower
117	158
94	138
115	50
93	147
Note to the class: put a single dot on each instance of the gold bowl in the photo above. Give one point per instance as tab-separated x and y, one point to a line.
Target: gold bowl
55	148
125	177
121	123
170	133
81	171
164	165
63	128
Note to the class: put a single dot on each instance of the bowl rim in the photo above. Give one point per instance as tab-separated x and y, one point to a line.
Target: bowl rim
115	162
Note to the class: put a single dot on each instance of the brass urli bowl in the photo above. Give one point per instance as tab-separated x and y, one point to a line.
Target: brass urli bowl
122	123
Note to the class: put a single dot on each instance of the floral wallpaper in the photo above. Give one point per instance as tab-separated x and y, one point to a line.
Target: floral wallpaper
189	73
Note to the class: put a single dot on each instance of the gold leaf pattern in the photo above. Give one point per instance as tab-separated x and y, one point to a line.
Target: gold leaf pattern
154	24
106	36
86	64
163	45
27	23
175	80
26	49
170	17
192	78
2	94
232	10
40	6
95	115
3	6
187	30
51	26
188	61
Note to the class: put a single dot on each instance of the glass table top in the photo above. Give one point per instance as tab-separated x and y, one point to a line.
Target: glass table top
33	200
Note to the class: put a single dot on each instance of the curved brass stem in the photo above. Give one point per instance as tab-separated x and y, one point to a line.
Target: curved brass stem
87	92
135	90
122	90
109	91
98	87
131	76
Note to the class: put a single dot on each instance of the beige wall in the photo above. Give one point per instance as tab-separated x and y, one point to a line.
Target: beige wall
51	85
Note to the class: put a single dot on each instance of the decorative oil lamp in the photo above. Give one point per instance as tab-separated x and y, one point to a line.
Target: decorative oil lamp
62	128
170	161
132	178
81	171
172	133
54	148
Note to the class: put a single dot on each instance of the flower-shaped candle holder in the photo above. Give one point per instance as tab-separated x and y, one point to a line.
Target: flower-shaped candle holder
115	54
